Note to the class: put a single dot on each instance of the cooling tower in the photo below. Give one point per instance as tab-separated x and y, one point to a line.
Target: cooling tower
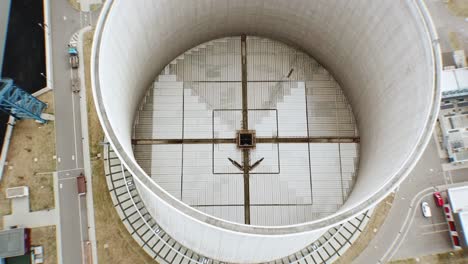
384	55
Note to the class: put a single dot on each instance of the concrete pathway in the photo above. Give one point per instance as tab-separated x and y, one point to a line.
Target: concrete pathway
72	229
22	216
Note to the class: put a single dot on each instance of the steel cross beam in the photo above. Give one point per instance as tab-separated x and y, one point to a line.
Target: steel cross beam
175	141
245	127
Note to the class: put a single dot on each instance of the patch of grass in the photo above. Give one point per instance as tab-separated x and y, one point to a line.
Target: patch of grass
75	4
96	135
31	162
95	7
114	242
45	237
458	7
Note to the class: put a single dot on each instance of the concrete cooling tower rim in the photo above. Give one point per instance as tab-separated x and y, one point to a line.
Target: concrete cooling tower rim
336	218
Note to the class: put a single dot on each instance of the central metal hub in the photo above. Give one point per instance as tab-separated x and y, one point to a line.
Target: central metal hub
246	139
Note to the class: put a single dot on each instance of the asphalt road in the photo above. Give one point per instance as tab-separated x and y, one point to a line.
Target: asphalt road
405	232
73	218
65	21
427	234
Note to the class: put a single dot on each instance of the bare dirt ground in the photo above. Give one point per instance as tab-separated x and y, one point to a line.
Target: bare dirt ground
454	41
455	257
376	220
75	4
45	236
114	242
458	7
31	162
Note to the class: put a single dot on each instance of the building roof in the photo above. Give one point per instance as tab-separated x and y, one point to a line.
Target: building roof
15	192
454	82
24	259
463	227
458	198
12	242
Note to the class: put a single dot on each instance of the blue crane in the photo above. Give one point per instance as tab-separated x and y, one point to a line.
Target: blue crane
19	103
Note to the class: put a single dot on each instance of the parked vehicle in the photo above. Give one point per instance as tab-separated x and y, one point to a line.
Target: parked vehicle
439	201
426	210
75	84
81	184
73	57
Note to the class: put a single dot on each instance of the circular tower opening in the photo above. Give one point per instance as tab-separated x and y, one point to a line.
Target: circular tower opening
249	130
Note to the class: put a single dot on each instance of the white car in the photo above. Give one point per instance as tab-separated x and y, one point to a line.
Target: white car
426	210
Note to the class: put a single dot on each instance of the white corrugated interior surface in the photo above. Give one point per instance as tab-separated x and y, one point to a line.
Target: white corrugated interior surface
199	96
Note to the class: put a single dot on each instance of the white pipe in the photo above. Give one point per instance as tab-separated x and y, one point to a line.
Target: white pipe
6	144
48	44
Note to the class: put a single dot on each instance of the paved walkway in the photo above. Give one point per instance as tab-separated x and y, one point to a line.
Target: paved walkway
22	216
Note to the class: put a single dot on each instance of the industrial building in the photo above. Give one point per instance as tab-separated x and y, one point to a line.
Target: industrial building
457	216
14	242
245	131
453	114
